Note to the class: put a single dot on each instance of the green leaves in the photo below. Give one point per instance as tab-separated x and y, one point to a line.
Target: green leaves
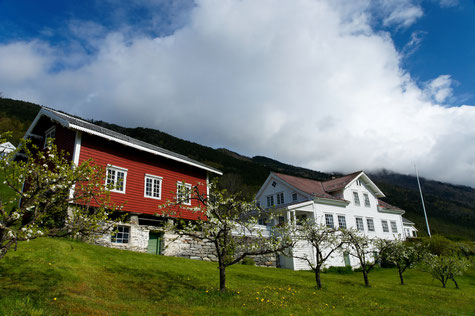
57	197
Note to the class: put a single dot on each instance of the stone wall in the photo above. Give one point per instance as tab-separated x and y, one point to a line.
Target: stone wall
198	249
175	245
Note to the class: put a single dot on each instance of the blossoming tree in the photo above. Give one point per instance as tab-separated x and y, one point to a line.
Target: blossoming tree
230	224
50	196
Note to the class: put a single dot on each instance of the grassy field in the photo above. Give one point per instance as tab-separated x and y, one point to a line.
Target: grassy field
57	277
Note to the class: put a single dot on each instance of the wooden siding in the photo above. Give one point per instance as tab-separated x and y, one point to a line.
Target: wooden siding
65	139
138	164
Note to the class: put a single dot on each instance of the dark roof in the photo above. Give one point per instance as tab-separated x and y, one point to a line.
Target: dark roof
339	183
88	127
387	205
406	221
308	186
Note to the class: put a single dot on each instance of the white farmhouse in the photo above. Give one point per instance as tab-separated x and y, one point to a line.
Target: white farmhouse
351	201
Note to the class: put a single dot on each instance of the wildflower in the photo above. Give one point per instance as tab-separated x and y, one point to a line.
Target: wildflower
54	298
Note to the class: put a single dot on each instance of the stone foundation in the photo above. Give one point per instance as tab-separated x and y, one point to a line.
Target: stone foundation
174	245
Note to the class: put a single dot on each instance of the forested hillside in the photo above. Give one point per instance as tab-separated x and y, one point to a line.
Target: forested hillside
451	208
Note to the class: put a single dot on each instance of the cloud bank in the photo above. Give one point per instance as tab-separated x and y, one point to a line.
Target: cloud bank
311	83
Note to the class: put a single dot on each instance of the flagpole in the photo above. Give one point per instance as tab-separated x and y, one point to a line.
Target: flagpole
422	199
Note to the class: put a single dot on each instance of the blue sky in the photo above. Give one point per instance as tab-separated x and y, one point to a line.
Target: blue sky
388	83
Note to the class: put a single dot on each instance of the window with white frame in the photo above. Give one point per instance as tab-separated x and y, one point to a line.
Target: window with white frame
385	226
393	227
370	224
270	200
153	187
356	198
183	193
359	224
341	221
366	200
280	198
121	235
116	177
294	197
50	133
329	220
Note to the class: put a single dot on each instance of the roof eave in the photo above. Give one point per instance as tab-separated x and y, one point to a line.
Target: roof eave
67	124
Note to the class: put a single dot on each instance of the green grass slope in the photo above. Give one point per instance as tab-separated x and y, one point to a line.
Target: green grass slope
58	277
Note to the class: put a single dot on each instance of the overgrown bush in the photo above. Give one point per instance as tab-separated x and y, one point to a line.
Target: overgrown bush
339	270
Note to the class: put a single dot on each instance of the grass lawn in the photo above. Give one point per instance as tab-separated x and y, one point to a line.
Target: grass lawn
57	277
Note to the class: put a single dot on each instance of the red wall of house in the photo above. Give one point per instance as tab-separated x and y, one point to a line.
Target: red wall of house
65	139
139	163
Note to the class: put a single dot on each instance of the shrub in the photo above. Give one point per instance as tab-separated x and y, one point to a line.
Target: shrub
339	270
248	261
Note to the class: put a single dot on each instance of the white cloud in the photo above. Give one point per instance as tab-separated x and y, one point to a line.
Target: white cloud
439	89
306	82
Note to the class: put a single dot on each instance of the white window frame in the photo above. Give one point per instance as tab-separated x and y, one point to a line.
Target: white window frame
393	227
343	221
186	185
371	227
385	225
294	197
49	133
367	203
153	178
270	200
125	235
361	229
280	198
327	217
116	169
356	198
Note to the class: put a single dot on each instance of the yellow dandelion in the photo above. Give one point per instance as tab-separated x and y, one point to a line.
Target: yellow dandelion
54	299
262	300
206	291
267	301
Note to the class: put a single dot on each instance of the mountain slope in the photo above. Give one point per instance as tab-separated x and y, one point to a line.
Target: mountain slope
451	208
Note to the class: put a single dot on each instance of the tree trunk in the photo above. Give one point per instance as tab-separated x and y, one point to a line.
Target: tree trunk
365	276
222	278
400	276
317	278
456	285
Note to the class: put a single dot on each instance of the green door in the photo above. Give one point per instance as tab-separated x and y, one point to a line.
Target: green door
346	255
155	243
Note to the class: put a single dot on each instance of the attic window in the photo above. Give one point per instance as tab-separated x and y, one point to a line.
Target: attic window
50	133
358	182
366	200
356	198
294	196
274	183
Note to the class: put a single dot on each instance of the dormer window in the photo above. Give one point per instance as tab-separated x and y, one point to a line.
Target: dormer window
50	133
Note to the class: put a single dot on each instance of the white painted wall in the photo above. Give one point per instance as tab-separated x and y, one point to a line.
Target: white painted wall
350	212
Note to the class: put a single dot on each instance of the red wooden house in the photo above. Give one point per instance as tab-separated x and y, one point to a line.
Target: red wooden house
144	175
